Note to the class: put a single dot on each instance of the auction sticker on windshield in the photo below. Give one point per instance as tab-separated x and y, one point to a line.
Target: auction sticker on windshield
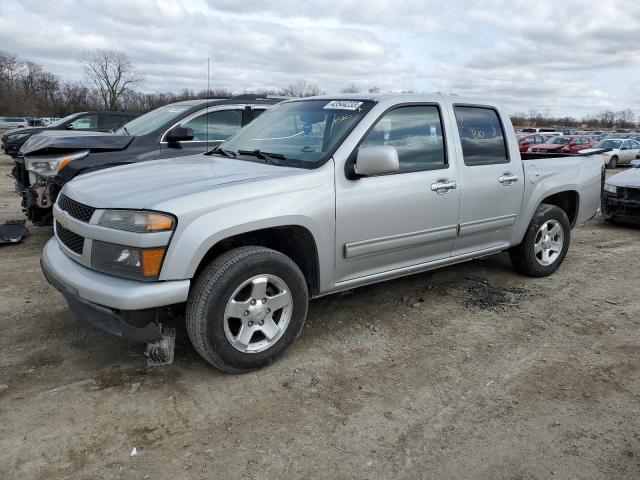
342	105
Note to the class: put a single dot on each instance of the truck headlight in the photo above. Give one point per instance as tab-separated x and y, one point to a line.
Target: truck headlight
130	262
610	188
50	165
16	136
137	221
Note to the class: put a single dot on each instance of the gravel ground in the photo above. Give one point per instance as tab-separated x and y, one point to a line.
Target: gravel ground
466	372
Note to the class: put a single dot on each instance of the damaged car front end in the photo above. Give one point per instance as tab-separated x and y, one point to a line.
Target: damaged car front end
35	178
621	195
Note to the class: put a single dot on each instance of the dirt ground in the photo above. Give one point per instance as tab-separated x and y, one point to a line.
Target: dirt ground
466	372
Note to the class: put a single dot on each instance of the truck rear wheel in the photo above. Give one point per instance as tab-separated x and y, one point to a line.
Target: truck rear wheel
545	244
246	308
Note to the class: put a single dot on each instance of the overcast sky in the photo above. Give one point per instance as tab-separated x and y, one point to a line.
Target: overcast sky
566	57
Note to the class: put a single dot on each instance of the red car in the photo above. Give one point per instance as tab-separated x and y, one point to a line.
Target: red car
563	144
525	141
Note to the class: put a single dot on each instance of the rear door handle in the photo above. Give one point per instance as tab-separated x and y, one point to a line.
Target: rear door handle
507	179
442	186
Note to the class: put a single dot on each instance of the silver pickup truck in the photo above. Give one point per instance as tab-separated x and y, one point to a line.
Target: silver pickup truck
314	197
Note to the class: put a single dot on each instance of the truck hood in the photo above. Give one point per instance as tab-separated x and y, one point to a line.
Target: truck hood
549	146
595	150
628	178
147	184
49	140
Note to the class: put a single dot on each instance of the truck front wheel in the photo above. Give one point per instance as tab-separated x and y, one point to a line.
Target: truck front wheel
246	308
545	244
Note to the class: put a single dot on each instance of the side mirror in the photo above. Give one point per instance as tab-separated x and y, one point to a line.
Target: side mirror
179	134
377	160
69	126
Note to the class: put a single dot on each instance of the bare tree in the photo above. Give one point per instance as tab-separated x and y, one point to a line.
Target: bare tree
352	88
301	88
374	90
111	73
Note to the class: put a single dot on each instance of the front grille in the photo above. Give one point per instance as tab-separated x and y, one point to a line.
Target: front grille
76	209
629	194
69	239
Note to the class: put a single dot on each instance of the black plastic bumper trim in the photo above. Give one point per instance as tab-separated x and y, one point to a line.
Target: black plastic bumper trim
104	318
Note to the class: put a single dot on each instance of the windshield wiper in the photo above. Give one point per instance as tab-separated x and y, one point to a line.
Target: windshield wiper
221	151
272	158
125	130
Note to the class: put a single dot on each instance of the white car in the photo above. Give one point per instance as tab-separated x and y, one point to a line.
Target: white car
619	151
13	122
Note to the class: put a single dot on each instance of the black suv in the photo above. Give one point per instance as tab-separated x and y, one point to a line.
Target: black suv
83	121
49	160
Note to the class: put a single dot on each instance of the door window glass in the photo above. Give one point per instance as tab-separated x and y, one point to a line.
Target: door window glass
415	132
481	135
218	125
84	123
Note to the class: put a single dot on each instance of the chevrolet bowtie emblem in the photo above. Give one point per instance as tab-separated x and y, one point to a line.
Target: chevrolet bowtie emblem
63	220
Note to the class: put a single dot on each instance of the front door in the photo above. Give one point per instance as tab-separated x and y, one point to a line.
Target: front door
388	222
492	181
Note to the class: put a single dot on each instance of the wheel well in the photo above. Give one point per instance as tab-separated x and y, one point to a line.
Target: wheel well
294	241
567	201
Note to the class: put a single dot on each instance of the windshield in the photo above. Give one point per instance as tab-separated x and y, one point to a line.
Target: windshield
558	140
62	121
304	132
153	120
608	144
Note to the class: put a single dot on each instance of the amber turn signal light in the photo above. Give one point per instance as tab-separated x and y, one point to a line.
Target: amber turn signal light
152	261
158	223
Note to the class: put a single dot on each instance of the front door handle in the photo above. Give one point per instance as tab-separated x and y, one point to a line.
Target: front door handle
507	179
442	186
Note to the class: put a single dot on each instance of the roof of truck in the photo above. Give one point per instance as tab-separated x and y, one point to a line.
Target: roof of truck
245	98
401	97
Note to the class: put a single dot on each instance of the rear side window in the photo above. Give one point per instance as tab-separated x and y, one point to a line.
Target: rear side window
482	136
113	121
416	134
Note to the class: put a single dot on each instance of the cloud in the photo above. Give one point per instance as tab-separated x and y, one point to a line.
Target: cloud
572	57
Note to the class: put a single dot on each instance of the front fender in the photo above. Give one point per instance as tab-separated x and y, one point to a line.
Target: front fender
311	207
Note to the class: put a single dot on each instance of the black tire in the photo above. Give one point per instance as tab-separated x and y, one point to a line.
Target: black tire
215	286
523	257
613	162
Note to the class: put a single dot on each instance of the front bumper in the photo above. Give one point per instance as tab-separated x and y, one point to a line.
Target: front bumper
107	302
621	209
12	147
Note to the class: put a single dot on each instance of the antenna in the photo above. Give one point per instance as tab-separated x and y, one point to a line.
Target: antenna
208	96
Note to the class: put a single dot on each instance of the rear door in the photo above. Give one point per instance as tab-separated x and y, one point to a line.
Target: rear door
389	222
626	152
491	179
635	149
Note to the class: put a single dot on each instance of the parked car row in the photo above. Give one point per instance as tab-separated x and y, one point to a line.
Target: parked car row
614	150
